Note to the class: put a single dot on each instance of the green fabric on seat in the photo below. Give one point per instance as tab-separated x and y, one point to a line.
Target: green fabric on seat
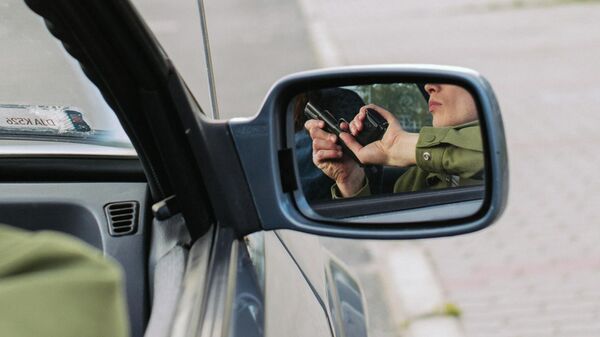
53	285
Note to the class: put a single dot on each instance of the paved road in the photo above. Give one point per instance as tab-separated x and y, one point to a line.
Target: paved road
254	43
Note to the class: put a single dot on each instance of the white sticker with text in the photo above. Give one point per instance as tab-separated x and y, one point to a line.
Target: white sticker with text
42	119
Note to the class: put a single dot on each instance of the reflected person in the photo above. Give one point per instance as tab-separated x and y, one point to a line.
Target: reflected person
343	104
448	154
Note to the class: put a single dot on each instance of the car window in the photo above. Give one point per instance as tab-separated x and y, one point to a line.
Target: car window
47	104
177	29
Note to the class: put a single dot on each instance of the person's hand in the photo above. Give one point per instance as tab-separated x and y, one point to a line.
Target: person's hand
396	148
327	155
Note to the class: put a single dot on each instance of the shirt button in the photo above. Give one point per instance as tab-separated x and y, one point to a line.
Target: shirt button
426	156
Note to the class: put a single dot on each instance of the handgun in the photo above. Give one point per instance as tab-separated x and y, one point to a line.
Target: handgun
374	126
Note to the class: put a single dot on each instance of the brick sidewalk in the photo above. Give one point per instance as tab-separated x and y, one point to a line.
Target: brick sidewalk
536	272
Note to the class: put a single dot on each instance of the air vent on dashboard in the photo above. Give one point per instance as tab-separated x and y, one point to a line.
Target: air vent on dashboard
122	217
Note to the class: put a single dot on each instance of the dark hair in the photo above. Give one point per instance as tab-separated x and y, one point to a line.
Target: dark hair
299	117
341	103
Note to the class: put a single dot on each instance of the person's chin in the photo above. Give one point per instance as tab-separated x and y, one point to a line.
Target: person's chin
436	121
440	123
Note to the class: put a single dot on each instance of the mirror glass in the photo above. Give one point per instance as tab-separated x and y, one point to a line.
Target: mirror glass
372	149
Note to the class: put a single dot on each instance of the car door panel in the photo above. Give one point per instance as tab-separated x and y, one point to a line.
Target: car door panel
334	287
78	209
291	307
308	254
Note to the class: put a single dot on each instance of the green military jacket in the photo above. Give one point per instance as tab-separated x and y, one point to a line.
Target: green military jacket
446	157
54	286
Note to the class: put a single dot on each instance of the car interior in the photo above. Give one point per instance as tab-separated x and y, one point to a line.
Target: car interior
105	203
123	205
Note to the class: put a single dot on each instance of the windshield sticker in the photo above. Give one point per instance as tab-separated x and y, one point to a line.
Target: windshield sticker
43	120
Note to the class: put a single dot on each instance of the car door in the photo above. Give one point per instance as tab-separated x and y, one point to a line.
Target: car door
169	173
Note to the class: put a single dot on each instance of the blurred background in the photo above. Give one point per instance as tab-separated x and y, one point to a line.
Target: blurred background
533	273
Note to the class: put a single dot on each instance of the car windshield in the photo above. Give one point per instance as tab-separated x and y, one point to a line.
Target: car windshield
47	104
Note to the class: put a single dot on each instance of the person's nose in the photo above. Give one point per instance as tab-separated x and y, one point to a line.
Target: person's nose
432	88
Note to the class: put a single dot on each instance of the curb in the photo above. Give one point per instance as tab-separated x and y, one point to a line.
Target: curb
416	299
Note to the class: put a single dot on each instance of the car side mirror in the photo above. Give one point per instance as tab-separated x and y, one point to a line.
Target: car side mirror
377	152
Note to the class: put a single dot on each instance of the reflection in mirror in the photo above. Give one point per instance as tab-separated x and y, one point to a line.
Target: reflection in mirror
388	139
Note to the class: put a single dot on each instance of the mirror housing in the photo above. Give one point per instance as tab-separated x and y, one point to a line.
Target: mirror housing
267	157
